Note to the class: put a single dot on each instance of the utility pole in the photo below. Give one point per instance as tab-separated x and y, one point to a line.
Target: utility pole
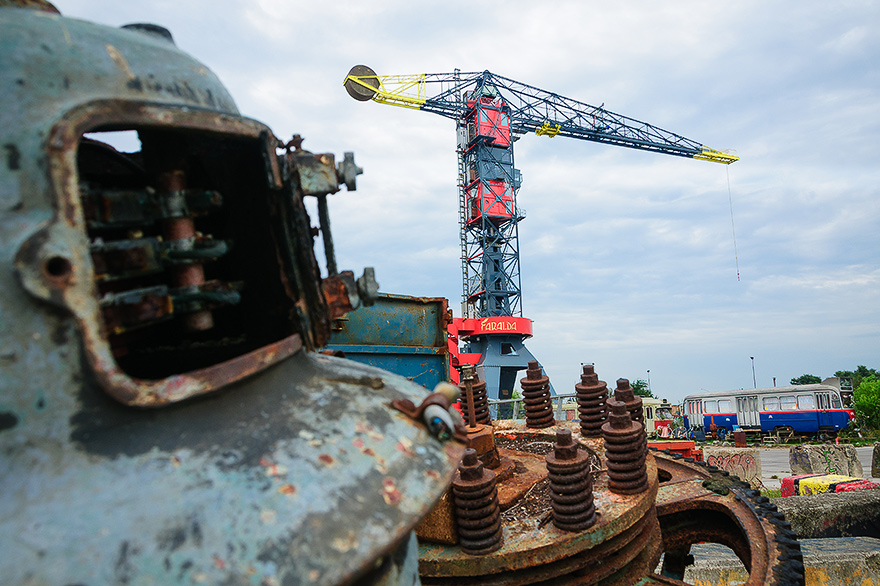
754	380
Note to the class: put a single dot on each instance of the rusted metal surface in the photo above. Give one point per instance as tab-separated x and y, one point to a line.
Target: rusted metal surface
477	401
477	516
536	397
625	449
624	393
260	482
685	502
528	471
180	231
571	484
591	396
343	293
62	242
698	503
534	549
403	334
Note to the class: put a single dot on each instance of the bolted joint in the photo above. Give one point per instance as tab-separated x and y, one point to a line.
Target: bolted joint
619	416
565	448
343	293
534	371
471	467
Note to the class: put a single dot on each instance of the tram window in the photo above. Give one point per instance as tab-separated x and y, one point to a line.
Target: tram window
835	402
788	402
805	402
648	413
771	403
724	406
710	406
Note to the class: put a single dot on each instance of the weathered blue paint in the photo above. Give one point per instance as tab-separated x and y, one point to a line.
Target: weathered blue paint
405	335
299	472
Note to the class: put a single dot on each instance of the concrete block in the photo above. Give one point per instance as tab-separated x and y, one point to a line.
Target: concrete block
846	514
742	462
821	483
825	459
853	561
875	462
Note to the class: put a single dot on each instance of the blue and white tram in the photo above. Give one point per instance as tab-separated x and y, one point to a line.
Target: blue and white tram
801	409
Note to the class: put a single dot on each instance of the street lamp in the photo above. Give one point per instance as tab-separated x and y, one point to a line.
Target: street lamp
649	380
754	381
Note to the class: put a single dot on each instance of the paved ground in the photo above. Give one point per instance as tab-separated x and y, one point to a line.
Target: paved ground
774	462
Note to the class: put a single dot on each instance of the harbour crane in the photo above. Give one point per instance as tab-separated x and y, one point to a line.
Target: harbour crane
492	112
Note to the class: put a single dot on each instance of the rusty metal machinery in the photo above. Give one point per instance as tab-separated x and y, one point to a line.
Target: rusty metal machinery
588	510
163	419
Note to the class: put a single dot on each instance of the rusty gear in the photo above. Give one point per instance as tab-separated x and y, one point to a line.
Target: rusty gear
571	485
477	515
536	397
625	449
592	395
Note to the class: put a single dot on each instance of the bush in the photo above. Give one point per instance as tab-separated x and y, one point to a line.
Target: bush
866	401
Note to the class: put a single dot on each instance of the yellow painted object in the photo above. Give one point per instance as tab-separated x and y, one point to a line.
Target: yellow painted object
821	484
716	156
394	89
548	130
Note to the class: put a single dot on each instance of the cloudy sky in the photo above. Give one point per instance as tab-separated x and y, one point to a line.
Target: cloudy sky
629	258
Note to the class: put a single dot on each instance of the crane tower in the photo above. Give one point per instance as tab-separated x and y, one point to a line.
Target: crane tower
491	112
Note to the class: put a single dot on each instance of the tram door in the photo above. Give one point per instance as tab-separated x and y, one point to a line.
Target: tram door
823	406
747	411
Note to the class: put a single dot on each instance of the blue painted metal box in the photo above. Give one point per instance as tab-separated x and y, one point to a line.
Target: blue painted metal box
402	334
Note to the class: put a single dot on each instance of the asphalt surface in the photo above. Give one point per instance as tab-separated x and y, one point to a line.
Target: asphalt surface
774	462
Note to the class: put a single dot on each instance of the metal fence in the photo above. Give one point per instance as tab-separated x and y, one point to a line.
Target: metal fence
500	410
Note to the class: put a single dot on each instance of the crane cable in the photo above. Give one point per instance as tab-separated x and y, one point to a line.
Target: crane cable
732	226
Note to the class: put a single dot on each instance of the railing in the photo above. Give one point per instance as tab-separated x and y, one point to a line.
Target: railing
559	400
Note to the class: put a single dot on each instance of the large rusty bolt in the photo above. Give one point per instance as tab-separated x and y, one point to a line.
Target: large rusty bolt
536	397
624	392
481	398
475	499
625	450
571	485
592	395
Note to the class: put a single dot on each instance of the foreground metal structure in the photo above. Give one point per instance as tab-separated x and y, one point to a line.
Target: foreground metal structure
163	417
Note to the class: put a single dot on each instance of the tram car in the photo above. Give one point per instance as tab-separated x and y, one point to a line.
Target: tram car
803	409
658	417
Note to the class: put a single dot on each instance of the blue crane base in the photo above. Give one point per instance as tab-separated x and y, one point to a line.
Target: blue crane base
502	357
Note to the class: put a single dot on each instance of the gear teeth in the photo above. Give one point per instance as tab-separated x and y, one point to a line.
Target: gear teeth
787	541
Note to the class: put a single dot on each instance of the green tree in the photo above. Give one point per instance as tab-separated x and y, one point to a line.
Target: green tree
806	379
640	388
861	372
866	401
